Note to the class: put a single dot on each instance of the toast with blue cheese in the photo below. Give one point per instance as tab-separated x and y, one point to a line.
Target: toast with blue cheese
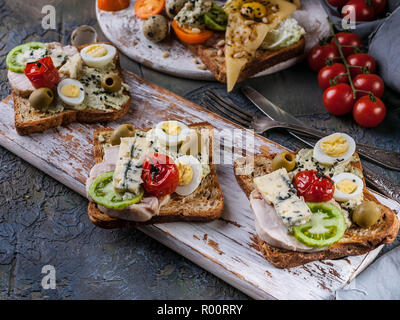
203	205
67	60
355	241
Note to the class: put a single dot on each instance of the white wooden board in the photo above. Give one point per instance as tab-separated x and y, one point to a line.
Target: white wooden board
124	30
224	247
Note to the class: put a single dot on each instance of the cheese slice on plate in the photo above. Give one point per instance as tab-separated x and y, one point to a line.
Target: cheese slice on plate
244	38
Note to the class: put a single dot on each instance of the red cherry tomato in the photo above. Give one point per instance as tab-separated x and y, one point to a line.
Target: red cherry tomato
363	60
42	73
363	11
369	82
347	39
314	186
160	175
338	99
319	55
379	6
331	75
337	3
369	112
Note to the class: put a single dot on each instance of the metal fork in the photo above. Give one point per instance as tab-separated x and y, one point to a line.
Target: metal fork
232	112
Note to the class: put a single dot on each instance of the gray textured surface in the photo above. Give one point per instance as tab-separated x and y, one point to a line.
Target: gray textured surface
42	222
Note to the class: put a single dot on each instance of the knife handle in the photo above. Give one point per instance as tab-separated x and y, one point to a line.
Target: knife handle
388	188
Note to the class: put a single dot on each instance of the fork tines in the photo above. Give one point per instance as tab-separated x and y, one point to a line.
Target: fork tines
228	109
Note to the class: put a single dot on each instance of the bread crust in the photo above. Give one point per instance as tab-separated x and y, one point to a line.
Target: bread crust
263	59
178	208
356	240
68	116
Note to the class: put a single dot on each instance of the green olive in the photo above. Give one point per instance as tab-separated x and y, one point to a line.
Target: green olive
40	99
366	214
192	144
123	131
284	160
111	82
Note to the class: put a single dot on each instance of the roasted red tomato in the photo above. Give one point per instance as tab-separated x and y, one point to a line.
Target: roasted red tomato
331	75
379	6
369	82
314	186
369	112
42	73
337	3
320	55
160	175
338	99
364	11
363	60
347	39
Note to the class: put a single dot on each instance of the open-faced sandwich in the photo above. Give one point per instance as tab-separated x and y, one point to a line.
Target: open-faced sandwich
54	85
313	204
236	41
164	174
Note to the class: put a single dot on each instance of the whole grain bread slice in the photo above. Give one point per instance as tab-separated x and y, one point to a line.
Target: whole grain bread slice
356	240
28	120
204	205
263	59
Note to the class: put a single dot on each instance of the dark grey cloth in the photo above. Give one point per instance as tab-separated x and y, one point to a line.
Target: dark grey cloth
384	46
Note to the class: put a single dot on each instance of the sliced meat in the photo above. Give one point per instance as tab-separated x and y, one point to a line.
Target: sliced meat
20	83
270	227
138	212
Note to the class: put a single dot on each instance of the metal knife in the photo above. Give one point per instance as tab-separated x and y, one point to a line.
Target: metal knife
275	113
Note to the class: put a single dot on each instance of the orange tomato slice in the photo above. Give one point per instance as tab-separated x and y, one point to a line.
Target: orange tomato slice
185	35
147	8
113	5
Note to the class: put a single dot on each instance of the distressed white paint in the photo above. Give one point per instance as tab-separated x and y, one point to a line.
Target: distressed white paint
65	153
124	30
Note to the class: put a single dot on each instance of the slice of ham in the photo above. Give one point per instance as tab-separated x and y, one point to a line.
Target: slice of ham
139	212
20	83
271	229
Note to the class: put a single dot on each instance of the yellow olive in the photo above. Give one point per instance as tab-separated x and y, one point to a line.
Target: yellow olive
284	160
40	99
111	82
123	131
192	144
366	214
253	10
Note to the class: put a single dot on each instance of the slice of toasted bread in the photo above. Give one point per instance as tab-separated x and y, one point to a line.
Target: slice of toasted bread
355	241
264	59
28	120
204	205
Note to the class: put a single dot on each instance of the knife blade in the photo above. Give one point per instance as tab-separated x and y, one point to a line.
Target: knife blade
273	112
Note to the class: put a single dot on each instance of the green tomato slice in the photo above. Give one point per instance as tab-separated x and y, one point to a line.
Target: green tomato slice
13	60
216	18
325	227
103	193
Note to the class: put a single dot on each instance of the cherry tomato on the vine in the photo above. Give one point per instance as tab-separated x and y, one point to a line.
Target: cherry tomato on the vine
363	60
362	9
331	75
369	111
347	39
369	82
338	99
320	54
379	6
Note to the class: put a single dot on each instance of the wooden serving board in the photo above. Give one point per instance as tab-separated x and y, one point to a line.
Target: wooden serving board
224	247
124	30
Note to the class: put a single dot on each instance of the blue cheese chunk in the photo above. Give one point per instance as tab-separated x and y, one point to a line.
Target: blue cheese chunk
278	190
128	171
